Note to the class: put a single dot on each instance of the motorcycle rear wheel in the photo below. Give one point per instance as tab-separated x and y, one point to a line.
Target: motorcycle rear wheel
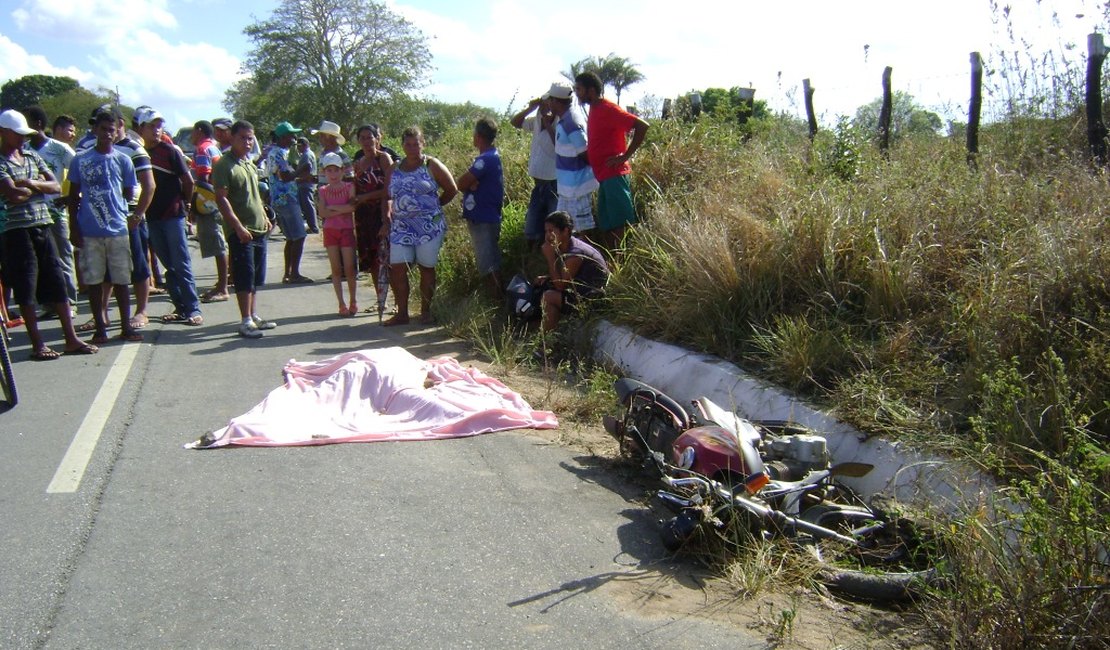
887	567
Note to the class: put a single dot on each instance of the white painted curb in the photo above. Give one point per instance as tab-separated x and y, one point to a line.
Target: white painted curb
684	375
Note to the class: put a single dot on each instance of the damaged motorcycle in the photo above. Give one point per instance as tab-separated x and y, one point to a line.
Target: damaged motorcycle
741	479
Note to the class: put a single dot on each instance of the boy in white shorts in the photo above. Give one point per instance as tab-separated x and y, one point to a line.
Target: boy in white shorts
101	181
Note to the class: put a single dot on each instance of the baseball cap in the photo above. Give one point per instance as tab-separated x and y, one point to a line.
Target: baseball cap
221	123
147	115
559	90
285	128
13	120
331	159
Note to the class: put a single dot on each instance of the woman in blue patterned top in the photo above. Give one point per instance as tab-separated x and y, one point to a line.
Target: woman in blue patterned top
418	189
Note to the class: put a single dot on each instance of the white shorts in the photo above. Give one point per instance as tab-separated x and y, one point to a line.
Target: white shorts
581	209
426	254
106	259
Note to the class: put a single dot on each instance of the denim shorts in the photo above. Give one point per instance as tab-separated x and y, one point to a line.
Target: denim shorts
486	238
248	262
139	238
426	254
291	220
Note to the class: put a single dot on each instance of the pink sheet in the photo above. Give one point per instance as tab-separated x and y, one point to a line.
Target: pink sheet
373	395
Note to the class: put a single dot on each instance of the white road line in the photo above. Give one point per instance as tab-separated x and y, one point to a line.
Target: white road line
72	468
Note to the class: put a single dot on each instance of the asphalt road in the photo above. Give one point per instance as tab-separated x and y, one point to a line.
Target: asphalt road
123	539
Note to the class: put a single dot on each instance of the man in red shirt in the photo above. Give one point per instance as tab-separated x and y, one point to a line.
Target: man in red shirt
609	150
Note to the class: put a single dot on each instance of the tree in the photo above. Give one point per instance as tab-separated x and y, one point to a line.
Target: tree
32	89
78	103
322	59
615	71
731	105
907	117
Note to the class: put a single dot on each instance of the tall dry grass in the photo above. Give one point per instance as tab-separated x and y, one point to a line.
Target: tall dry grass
966	309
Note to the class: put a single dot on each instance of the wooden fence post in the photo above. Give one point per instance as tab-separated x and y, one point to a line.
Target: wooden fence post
1096	128
975	109
807	91
884	113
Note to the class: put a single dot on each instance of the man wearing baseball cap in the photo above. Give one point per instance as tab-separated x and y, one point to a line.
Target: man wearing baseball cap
575	179
27	251
173	186
284	201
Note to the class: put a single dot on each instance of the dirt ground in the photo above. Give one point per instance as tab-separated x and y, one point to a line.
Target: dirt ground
789	618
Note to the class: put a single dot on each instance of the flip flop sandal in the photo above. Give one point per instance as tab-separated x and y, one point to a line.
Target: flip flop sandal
215	297
131	337
174	317
87	326
84	349
139	323
194	321
45	354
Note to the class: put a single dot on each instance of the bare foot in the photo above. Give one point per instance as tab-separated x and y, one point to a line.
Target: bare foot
397	320
427	319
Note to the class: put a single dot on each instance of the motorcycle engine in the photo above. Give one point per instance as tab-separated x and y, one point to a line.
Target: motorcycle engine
792	457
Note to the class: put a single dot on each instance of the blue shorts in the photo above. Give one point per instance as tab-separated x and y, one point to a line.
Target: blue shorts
486	238
291	220
248	262
426	254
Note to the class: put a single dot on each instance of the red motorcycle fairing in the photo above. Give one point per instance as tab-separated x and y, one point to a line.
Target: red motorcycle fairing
716	453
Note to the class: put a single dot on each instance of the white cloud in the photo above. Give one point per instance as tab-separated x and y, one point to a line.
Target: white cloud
18	62
91	21
186	80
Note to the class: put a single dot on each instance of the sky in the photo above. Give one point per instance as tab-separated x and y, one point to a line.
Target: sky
181	55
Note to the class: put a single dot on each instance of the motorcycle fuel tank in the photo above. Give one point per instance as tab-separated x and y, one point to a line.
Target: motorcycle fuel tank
714	451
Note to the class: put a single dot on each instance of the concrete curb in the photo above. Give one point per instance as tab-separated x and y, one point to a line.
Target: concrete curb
684	375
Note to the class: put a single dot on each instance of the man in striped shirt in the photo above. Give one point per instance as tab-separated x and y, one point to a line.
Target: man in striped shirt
574	179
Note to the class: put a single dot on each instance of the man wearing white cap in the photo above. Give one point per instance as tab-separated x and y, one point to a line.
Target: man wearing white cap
331	138
541	165
575	179
29	258
173	187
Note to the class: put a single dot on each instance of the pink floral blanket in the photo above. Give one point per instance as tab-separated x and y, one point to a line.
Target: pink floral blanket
374	395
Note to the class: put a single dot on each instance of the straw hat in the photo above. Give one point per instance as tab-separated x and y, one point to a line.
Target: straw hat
331	128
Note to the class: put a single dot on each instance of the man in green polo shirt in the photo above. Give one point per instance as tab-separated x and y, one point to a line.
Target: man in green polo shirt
235	179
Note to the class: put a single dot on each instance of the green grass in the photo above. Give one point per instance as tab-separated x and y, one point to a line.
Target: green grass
961	309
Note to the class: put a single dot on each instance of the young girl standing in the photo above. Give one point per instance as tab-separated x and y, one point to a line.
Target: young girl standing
336	209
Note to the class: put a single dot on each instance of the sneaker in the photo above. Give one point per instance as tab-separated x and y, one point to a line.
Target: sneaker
249	331
262	323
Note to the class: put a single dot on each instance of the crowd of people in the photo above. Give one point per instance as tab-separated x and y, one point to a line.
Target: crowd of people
110	213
